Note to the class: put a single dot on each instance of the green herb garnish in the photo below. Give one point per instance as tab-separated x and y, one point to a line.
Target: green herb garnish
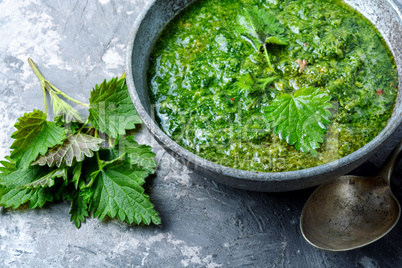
260	29
299	118
248	84
63	160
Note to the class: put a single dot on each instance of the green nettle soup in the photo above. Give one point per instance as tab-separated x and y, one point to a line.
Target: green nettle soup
271	86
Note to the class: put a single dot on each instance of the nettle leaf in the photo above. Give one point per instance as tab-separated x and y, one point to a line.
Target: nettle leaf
117	191
9	165
276	40
247	83
39	197
48	179
79	209
63	111
137	154
13	195
260	28
301	119
76	146
257	88
77	174
34	136
111	109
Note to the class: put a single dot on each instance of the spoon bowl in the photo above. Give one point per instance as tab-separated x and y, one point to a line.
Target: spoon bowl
352	211
349	212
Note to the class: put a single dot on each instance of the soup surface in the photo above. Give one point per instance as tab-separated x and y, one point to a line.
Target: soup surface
201	58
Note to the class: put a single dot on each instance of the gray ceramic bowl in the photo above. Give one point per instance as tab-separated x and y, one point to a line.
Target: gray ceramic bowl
384	14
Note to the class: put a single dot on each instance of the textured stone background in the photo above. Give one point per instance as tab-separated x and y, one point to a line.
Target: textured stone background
77	44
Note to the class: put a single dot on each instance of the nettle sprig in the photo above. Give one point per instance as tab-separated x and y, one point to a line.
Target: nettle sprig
299	117
260	29
92	162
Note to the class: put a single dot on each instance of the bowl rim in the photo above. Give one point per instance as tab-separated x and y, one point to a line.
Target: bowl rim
348	162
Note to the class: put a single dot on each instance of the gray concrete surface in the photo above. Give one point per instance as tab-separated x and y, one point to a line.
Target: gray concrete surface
77	44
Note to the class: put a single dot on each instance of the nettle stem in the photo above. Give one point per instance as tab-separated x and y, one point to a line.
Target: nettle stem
96	135
110	142
46	85
41	79
269	62
59	92
85	125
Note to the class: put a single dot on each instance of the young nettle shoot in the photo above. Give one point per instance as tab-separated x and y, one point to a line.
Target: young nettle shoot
261	29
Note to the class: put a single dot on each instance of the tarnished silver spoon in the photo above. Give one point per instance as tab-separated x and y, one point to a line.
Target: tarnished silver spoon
352	211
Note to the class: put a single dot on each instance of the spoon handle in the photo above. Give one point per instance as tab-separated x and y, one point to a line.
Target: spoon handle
390	163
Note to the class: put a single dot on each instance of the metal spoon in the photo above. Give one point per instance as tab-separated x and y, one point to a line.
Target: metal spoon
352	211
